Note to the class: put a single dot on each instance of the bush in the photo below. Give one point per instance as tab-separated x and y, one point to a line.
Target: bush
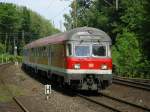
10	58
2	48
19	59
126	54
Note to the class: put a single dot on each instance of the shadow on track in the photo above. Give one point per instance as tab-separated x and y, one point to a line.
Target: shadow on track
64	90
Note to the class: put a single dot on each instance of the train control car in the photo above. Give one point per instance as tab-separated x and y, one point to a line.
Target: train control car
80	58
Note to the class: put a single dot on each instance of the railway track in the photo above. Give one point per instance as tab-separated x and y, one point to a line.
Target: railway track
144	86
107	101
114	103
140	80
20	105
110	102
17	106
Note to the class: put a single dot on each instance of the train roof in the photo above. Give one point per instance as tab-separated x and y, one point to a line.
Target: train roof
81	32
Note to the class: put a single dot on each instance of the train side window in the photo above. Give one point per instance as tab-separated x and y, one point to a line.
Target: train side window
39	52
32	51
35	51
69	49
44	51
47	51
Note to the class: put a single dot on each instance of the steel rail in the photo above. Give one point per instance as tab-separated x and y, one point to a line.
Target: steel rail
126	102
20	105
132	79
132	84
116	99
99	103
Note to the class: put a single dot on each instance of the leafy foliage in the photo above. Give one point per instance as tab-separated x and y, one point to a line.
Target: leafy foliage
2	48
19	25
4	58
126	53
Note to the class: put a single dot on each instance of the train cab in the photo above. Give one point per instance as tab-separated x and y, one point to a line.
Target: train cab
89	62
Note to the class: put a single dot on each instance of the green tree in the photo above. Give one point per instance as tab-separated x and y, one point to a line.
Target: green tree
2	48
20	25
127	54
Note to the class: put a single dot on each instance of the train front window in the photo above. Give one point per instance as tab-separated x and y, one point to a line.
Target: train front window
82	50
98	50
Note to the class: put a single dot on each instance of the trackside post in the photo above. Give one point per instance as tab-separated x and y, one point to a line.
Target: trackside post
47	91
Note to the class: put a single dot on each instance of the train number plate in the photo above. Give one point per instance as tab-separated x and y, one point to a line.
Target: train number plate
91	65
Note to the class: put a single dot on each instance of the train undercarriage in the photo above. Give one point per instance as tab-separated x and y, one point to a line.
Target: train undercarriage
92	82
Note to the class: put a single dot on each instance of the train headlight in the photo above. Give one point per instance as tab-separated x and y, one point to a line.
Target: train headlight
77	66
104	67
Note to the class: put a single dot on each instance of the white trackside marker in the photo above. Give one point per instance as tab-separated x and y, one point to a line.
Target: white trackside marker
47	91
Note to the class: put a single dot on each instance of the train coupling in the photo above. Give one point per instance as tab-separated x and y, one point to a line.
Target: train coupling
89	83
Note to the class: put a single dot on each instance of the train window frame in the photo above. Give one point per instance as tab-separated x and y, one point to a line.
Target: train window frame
89	45
99	44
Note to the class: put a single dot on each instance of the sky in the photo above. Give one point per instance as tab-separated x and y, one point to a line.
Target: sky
50	9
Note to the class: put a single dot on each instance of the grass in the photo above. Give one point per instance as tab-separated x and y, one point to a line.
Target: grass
8	91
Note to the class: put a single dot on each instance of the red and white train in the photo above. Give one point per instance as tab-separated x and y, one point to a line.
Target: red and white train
80	58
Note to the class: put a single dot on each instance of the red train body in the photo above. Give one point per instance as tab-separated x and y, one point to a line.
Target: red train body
89	63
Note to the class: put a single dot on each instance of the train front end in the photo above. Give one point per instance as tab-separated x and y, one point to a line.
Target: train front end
89	62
